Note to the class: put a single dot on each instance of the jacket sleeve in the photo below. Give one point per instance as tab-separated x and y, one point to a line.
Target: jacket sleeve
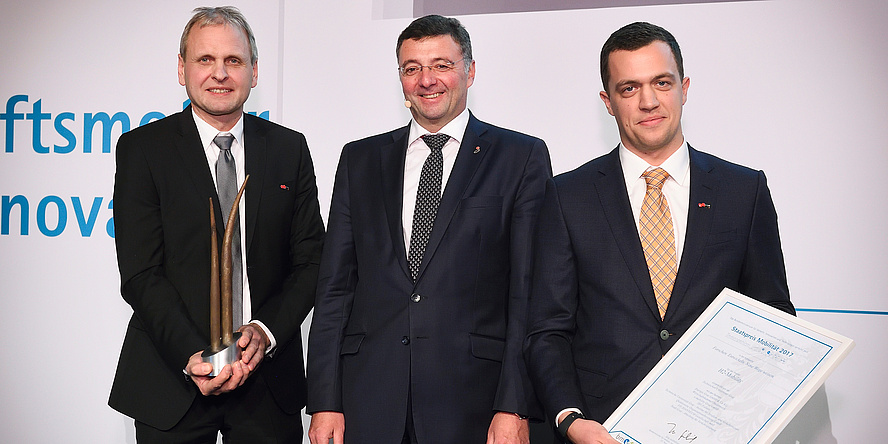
515	393
283	312
763	275
139	238
552	311
335	293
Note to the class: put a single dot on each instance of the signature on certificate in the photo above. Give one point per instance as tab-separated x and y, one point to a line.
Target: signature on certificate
685	436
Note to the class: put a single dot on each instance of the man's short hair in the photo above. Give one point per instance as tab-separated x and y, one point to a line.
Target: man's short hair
433	26
636	36
221	15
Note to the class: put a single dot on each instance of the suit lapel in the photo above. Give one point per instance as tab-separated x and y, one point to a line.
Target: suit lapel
255	159
392	158
464	168
704	188
611	187
191	151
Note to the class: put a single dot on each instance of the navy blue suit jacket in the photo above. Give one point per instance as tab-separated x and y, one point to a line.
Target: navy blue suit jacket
162	190
594	329
451	341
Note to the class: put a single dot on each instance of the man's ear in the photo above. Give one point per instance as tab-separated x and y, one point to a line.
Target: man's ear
181	70
607	101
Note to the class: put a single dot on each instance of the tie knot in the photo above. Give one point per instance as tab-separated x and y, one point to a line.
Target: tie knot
223	141
655	177
435	141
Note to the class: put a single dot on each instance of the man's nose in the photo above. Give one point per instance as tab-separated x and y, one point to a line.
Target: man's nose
648	98
219	71
427	77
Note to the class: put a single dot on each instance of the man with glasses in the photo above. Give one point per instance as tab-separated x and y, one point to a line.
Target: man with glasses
420	309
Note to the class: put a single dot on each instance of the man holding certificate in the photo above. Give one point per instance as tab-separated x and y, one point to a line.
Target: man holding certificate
634	245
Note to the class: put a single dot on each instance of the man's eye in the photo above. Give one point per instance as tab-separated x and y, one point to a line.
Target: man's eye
442	67
410	70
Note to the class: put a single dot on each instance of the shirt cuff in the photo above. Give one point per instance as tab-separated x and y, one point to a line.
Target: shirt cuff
571	409
272	343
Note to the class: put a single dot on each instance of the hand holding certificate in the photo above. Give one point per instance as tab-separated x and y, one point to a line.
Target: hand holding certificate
738	375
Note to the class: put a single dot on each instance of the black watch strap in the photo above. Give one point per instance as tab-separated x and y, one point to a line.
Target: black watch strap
567	421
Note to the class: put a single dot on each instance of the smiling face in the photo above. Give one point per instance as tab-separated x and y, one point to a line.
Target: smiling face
217	73
645	95
435	98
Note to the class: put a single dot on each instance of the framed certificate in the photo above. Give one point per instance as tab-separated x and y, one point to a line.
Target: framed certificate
738	375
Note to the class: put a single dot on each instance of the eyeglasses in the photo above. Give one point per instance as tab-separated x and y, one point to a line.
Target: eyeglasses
413	69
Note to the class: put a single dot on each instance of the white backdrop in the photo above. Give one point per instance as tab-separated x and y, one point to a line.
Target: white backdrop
793	87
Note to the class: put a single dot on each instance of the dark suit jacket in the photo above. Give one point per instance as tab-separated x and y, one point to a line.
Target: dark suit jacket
161	217
452	341
594	329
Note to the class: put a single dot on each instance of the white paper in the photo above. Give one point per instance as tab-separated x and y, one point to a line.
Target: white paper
737	375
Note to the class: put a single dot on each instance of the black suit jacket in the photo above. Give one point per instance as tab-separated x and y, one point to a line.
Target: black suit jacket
451	341
161	215
594	329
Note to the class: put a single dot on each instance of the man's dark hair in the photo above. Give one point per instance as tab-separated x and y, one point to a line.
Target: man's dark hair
435	25
636	36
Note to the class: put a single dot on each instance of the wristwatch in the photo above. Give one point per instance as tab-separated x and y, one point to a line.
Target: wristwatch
567	421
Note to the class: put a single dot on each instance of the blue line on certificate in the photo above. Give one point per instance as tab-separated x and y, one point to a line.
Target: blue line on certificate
829	310
829	349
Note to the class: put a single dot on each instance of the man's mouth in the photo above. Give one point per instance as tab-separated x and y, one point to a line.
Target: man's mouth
651	120
430	96
219	90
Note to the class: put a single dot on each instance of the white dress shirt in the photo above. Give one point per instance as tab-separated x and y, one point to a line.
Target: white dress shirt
417	152
207	133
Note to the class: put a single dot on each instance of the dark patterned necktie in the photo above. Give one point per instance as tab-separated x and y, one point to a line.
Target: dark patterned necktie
428	195
226	186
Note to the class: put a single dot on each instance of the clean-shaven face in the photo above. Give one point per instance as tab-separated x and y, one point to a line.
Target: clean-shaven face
435	98
217	73
645	95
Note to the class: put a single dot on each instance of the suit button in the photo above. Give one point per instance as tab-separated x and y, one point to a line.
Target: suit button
664	334
405	340
415	297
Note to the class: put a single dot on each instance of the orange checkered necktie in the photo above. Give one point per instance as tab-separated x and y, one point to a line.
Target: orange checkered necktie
657	237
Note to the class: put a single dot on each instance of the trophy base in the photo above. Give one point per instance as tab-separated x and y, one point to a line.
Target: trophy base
221	358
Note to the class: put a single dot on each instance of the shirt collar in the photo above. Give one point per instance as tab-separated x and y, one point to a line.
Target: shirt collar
208	133
456	128
677	165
